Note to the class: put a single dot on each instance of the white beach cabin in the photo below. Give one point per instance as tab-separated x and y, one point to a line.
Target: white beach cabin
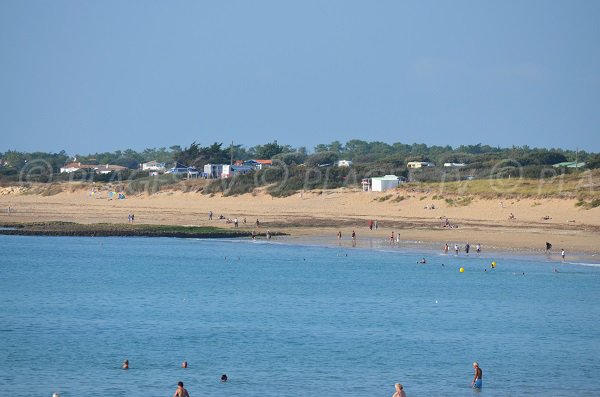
381	183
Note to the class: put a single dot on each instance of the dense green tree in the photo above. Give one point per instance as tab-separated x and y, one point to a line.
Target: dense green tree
593	161
267	151
321	158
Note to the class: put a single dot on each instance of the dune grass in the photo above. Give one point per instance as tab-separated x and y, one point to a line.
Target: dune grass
584	185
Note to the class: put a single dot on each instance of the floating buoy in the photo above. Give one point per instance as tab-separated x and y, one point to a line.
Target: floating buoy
462	270
493	265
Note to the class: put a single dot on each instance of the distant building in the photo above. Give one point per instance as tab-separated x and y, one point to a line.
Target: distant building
213	171
454	164
108	168
419	164
72	167
381	184
258	164
98	169
344	163
190	172
229	171
569	164
153	166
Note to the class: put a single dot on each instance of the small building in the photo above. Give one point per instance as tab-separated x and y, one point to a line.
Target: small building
258	164
72	167
153	166
569	164
454	165
108	168
381	183
190	172
419	164
213	171
344	163
229	171
98	169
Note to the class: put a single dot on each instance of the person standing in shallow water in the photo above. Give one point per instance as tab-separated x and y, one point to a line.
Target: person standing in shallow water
399	391
477	377
181	391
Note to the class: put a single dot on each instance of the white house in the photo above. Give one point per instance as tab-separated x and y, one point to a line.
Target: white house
153	166
419	164
108	168
344	163
213	171
454	165
381	183
98	169
72	167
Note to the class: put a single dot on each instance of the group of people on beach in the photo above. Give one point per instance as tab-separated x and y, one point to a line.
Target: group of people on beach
236	224
549	249
457	248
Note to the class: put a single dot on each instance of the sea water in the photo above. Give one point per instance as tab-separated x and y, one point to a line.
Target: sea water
282	319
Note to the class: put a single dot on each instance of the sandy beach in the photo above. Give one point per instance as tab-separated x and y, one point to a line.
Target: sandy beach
320	215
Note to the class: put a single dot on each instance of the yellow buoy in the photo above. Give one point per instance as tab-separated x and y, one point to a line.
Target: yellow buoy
493	265
462	269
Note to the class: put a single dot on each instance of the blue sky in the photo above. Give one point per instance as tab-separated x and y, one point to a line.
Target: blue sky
88	76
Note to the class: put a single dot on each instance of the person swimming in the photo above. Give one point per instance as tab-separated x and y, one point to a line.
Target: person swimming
125	364
224	378
423	260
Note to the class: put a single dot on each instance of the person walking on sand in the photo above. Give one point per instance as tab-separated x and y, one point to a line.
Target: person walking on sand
392	238
339	235
562	254
477	377
467	248
181	391
399	391
478	249
456	249
210	213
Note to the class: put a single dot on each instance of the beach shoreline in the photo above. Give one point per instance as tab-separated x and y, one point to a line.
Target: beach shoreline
319	216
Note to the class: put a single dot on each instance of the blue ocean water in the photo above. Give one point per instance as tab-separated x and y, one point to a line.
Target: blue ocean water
283	320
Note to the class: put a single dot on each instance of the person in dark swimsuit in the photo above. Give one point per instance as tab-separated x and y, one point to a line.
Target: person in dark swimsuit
478	377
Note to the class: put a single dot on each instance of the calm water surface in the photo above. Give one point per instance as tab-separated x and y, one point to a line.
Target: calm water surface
285	320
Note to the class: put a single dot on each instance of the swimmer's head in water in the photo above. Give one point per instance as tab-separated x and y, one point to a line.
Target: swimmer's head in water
180	383
476	364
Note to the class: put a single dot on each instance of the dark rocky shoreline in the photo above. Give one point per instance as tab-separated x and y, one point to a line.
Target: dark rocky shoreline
121	230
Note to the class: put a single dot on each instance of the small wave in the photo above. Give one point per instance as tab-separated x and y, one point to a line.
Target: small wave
597	265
